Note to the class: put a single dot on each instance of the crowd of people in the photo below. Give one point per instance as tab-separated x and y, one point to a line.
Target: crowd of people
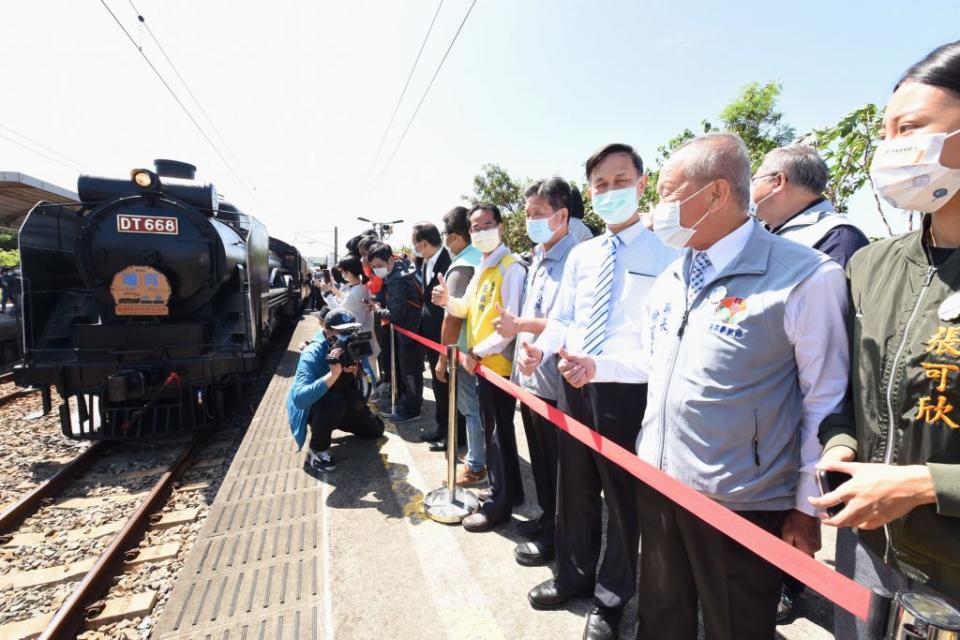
742	337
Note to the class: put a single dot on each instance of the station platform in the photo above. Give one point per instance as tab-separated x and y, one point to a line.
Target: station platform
351	554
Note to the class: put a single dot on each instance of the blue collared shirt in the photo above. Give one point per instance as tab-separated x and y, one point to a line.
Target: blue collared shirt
543	285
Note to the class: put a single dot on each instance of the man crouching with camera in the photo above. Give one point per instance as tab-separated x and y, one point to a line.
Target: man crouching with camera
326	392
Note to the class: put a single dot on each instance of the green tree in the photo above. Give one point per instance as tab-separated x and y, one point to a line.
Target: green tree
9	258
848	148
8	241
755	117
495	186
752	114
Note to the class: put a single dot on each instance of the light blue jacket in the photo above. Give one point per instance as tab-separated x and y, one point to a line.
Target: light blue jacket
724	405
308	386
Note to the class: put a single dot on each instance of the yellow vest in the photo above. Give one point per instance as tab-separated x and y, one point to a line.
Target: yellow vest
482	311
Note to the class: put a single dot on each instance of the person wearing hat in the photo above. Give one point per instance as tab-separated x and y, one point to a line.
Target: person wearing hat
325	394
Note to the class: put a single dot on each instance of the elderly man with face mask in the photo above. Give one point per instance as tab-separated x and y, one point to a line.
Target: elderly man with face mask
746	350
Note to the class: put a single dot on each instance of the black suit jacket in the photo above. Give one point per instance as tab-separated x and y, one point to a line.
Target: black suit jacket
432	315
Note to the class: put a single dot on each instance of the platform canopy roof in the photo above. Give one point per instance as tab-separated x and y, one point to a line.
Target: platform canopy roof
20	192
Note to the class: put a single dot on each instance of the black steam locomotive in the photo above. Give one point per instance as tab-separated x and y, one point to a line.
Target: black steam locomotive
146	303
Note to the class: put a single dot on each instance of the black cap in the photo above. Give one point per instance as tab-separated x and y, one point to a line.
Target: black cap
338	319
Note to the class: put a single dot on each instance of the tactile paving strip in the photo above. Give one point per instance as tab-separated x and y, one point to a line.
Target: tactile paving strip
255	570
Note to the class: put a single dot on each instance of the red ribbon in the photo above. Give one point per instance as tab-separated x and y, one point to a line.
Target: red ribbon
833	586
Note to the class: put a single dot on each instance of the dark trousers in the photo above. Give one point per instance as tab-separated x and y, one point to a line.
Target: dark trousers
615	411
342	407
684	560
409	375
383	339
500	438
542	442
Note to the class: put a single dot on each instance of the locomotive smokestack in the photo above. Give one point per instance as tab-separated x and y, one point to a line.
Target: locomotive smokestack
175	169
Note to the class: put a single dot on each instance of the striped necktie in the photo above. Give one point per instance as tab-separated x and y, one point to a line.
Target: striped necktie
600	310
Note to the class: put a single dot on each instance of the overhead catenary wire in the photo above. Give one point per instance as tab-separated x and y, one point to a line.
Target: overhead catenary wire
40	153
186	86
424	97
68	159
178	100
403	93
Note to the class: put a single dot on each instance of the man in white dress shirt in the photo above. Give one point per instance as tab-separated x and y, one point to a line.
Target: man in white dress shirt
594	322
745	344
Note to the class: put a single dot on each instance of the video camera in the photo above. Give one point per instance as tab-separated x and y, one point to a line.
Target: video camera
355	344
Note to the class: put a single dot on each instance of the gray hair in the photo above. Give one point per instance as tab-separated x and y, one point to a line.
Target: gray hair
718	155
801	163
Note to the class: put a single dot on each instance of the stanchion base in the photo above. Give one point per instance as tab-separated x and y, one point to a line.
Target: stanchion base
438	505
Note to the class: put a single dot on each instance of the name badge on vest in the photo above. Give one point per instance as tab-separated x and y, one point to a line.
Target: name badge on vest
950	308
718	294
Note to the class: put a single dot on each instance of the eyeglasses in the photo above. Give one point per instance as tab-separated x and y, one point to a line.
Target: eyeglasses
766	175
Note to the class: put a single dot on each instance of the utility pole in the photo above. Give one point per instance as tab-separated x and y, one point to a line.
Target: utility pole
335	259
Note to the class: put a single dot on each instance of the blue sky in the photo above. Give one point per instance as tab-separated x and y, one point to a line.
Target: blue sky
302	91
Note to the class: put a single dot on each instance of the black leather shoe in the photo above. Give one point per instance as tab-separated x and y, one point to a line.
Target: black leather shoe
438	445
533	554
548	595
479	522
603	623
530	529
434	436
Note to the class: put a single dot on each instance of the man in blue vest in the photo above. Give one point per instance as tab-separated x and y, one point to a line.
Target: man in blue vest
745	345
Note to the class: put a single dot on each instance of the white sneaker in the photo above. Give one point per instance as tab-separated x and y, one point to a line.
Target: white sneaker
321	461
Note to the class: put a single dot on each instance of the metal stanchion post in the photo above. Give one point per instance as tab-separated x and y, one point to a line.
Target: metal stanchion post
393	370
451	504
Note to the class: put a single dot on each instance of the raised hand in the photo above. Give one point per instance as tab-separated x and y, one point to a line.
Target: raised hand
440	295
529	358
507	325
577	369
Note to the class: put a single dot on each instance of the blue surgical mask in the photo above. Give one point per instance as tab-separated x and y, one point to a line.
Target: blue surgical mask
539	230
617	205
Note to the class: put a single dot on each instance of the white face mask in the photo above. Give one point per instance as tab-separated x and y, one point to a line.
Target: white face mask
486	240
908	174
381	272
666	222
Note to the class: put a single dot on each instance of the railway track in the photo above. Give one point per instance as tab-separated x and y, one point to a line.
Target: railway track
81	606
128	519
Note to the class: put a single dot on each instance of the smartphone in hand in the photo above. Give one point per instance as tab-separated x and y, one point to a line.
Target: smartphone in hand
828	481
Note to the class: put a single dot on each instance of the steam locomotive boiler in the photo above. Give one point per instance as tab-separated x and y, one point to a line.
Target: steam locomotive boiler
146	302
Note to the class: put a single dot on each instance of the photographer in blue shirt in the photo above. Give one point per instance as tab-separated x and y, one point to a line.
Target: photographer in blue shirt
326	393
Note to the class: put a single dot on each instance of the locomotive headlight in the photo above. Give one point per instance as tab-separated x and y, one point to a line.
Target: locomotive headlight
143	178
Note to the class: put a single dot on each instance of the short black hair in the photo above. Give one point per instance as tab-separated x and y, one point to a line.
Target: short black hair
380	251
559	193
427	231
486	206
614	147
352	244
351	263
939	68
366	242
457	221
